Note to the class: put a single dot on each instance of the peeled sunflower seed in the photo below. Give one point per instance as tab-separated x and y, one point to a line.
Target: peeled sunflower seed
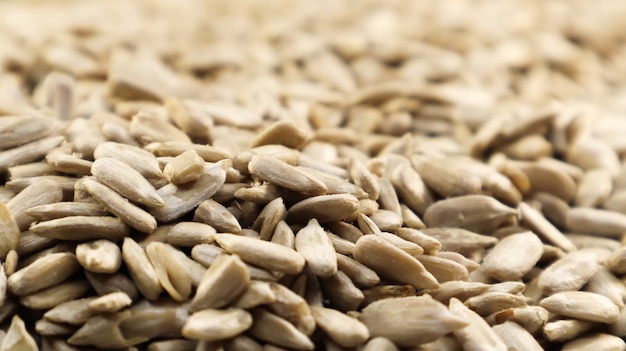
503	263
213	325
376	253
478	213
126	181
401	320
277	172
262	253
123	209
317	249
582	305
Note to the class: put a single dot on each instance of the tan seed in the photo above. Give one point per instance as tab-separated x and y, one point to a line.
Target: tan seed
213	325
317	249
223	282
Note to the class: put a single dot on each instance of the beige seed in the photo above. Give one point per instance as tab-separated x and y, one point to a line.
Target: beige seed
171	272
344	330
141	160
380	344
334	183
341	292
565	329
445	177
184	168
401	320
377	253
17	337
45	272
173	345
123	209
605	283
104	284
140	269
492	302
596	342
189	234
82	228
531	318
428	243
49	297
126	181
541	226
478	213
111	302
208	254
213	325
175	148
292	307
263	254
504	263
62	160
582	305
457	289
594	189
194	124
317	249
75	312
459	240
65	209
550	179
15	131
275	330
444	270
569	273
149	128
285	133
266	222
468	263
381	292
283	235
30	197
225	280
516	338
272	170
9	231
477	335
364	179
357	272
324	208
29	152
100	256
596	221
553	208
47	328
258	293
181	199
411	188
217	216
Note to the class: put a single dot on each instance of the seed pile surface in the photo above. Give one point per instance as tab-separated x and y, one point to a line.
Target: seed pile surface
323	175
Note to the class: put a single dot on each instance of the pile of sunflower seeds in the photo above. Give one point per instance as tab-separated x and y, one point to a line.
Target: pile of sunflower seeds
323	175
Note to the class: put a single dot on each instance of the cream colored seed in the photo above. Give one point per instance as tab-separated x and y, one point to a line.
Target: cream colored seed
126	181
179	200
317	249
596	221
479	213
33	196
217	216
112	302
477	335
275	330
123	209
341	292
17	337
569	273
292	307
9	231
140	269
267	221
503	261
565	329
222	283
346	331
65	209
82	228
411	188
172	274
100	256
190	234
445	177
582	305
45	272
50	297
184	168
277	172
324	208
401	320
285	133
213	325
141	160
377	253
596	342
262	253
541	226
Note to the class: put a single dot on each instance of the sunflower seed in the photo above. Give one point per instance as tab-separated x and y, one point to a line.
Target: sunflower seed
223	282
277	172
582	305
82	228
477	335
399	320
140	269
569	273
317	249
213	325
503	264
45	272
